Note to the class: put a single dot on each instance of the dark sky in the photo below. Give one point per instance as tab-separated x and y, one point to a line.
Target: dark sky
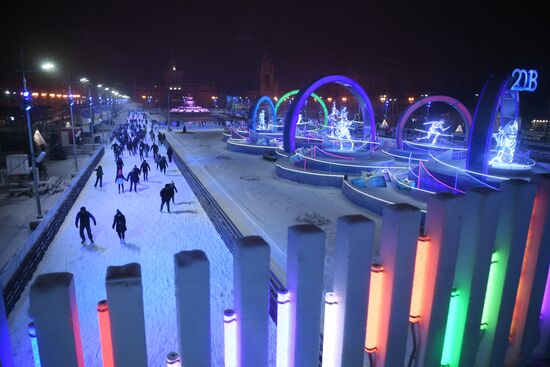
444	46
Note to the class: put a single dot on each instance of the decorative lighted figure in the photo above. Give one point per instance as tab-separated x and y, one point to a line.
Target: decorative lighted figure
340	126
436	129
506	143
261	121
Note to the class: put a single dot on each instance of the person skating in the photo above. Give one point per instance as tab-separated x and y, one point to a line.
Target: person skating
119	180
173	190
83	217
163	164
169	153
98	176
165	197
133	177
155	149
145	169
120	223
119	163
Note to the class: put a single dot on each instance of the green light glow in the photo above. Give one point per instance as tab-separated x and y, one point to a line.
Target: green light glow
285	96
493	293
452	342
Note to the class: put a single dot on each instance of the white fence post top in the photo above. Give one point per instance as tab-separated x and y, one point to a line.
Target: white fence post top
129	273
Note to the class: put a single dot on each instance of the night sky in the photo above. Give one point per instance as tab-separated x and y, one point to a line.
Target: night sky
444	47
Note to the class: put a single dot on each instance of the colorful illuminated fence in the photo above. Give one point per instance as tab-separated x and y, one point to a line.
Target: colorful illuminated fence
356	297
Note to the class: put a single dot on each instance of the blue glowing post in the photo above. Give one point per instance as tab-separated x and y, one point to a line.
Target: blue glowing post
34	344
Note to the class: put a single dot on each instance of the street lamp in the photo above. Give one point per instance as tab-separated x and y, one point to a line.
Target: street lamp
90	102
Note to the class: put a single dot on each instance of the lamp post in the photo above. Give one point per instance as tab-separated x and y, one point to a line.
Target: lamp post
71	103
90	101
99	102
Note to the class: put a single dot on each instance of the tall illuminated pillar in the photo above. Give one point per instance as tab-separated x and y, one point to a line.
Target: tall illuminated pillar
192	272
54	311
283	329
542	348
374	309
125	299
251	297
419	278
230	348
527	311
6	353
330	338
516	198
34	345
443	223
354	242
305	264
105	334
399	235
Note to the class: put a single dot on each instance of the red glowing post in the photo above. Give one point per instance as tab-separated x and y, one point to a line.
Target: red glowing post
105	334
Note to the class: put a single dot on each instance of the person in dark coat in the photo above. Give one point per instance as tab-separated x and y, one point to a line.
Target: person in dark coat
155	149
83	217
173	190
119	225
163	164
133	177
98	176
145	169
119	163
169	153
165	197
119	180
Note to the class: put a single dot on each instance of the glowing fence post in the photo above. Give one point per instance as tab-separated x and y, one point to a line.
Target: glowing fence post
231	354
374	308
6	353
400	227
34	345
517	203
105	334
354	240
283	328
173	360
450	342
493	289
419	279
330	338
534	274
443	223
192	273
125	299
251	297
305	263
543	347
54	311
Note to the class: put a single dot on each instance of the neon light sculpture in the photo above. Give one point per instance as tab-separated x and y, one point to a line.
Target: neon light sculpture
105	334
340	126
419	279
173	360
506	143
451	345
436	130
287	95
330	337
34	344
374	308
253	112
261	121
283	328
230	338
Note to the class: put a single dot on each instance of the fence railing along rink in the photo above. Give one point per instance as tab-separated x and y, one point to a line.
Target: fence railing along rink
472	290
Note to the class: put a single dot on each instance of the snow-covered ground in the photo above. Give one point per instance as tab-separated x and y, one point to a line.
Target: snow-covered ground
152	239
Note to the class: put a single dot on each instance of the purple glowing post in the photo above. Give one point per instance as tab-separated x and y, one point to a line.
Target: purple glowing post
6	354
289	131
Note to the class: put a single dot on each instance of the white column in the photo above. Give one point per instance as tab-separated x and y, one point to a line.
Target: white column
125	299
6	353
477	239
193	307
400	229
305	264
251	297
443	223
54	311
353	255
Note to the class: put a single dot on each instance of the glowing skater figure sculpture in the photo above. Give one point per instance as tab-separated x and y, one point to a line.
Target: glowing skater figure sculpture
436	130
261	121
506	143
342	128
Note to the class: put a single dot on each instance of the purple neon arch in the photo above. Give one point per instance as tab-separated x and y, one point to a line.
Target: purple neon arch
456	104
289	131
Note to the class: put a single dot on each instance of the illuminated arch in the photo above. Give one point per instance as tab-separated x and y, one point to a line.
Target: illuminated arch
459	107
289	131
253	113
287	95
496	94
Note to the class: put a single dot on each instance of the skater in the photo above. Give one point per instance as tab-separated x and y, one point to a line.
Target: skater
98	176
120	223
119	180
119	163
165	197
83	217
133	177
155	149
145	169
169	153
163	164
173	190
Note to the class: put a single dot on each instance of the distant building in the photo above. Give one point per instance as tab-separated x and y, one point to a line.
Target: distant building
268	85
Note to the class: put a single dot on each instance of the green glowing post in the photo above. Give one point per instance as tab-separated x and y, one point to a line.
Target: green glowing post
452	344
287	95
492	294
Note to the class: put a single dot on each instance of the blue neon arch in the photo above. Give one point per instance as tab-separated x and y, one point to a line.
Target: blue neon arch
253	113
365	105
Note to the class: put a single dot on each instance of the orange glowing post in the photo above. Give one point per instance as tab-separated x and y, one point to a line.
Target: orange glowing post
419	279
105	334
375	303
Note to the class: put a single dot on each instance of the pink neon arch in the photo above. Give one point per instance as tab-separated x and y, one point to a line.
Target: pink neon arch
456	104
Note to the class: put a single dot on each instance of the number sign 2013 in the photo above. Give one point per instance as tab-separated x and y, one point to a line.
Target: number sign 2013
525	80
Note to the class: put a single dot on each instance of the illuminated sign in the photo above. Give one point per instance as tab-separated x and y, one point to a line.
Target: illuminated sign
526	80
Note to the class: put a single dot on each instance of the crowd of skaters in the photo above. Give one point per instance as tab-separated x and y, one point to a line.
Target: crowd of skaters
136	136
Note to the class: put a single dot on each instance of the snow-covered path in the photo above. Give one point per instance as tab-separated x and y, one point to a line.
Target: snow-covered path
152	239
